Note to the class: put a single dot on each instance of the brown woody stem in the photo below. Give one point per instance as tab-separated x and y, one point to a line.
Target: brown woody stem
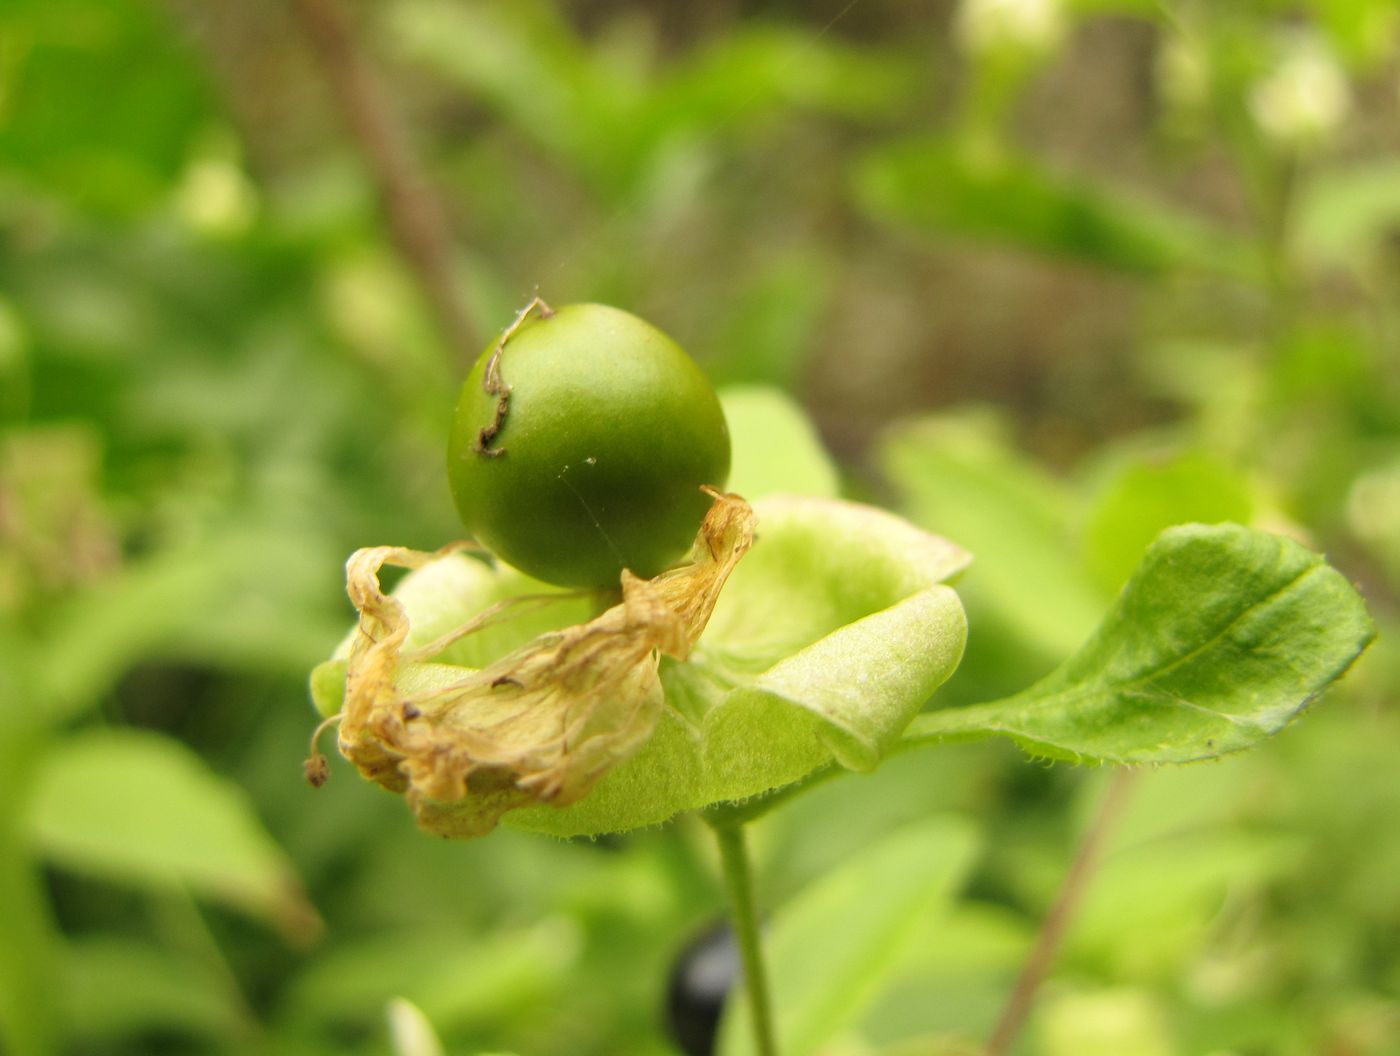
416	216
1056	923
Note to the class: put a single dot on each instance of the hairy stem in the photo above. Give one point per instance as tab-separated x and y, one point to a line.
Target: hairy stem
738	883
1056	923
416	216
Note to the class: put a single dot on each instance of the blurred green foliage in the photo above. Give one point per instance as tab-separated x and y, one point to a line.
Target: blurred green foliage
1047	276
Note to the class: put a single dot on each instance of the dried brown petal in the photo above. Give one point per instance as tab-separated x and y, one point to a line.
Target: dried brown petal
540	725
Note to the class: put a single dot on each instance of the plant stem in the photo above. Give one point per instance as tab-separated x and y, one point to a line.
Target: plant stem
1056	923
738	884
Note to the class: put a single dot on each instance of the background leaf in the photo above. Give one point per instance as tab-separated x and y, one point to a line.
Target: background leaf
1027	592
103	102
1143	496
142	809
776	450
124	988
1223	635
220	598
831	949
938	187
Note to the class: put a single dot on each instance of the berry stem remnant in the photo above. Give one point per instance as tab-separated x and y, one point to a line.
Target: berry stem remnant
1056	923
417	217
493	385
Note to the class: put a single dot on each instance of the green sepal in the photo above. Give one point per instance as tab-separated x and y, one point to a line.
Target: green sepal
829	637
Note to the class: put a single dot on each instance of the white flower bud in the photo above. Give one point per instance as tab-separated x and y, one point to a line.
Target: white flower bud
215	198
992	25
1306	96
1373	507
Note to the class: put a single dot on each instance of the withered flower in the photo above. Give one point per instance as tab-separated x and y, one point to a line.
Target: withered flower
538	726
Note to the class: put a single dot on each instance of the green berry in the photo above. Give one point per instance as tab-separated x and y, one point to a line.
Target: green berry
580	444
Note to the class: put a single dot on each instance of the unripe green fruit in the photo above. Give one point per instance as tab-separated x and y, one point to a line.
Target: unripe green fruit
582	451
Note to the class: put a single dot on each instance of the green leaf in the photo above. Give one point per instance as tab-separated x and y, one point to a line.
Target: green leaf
519	58
1358	29
958	967
775	323
1145	495
460	982
120	988
103	103
140	808
959	475
1168	892
616	106
1223	635
750	69
776	448
180	602
937	187
1344	214
832	949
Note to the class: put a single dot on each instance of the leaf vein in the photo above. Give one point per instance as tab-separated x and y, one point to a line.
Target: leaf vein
1074	694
